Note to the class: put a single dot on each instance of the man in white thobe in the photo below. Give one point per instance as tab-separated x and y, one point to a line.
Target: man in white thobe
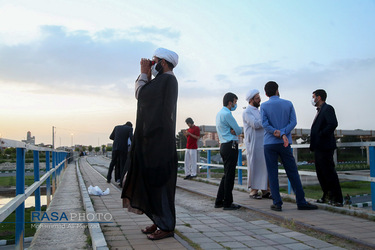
257	177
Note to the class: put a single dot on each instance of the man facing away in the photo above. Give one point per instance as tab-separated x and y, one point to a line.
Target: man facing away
278	120
228	131
323	144
192	136
120	136
257	177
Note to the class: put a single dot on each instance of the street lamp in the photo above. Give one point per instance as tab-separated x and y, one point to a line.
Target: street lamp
72	138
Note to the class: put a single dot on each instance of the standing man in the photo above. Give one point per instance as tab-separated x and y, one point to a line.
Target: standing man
278	120
323	144
192	136
257	177
120	136
228	131
150	184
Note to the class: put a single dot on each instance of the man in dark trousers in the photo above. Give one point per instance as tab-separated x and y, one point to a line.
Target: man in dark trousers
323	143
120	136
228	132
278	120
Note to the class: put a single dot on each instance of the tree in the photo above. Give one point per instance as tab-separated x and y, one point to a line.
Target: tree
9	151
181	140
90	148
97	149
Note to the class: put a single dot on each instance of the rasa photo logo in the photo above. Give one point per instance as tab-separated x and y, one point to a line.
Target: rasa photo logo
66	217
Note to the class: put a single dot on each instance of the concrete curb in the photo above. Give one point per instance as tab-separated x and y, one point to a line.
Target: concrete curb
26	240
97	236
362	204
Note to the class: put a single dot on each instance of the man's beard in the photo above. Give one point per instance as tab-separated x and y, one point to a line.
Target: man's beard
256	104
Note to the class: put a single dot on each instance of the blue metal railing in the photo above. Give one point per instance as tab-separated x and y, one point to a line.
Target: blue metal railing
371	152
59	160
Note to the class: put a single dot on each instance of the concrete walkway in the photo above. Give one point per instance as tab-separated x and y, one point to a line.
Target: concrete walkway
217	230
67	199
334	222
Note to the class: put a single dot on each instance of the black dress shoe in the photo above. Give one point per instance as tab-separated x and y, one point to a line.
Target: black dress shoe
307	206
219	205
276	208
337	204
108	181
267	196
255	196
187	177
232	207
321	200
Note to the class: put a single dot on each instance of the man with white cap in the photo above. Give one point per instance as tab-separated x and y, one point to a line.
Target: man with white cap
257	177
150	183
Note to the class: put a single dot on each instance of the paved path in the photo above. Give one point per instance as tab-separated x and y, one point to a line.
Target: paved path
214	230
344	226
67	199
199	227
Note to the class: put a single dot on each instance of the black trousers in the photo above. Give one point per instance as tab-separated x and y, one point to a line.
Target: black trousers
327	176
118	160
229	153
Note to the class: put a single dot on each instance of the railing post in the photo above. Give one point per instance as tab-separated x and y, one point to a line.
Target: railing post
239	163
20	189
36	178
48	181
54	173
372	174
208	161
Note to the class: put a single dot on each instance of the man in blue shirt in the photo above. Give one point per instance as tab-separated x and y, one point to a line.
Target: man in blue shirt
279	119
228	131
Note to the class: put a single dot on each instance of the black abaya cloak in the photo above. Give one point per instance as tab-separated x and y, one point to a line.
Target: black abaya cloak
150	184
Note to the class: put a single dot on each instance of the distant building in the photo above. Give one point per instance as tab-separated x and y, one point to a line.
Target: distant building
210	137
30	139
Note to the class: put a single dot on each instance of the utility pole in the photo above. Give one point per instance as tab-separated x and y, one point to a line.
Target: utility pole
53	137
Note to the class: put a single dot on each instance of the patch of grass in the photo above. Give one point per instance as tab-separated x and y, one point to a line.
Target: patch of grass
187	225
9	181
7	230
348	187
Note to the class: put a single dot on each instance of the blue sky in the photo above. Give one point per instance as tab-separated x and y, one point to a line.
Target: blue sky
72	64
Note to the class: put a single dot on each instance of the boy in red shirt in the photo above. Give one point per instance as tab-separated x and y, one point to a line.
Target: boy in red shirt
192	135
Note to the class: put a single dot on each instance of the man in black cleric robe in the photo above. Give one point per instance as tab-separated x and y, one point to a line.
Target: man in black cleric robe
150	184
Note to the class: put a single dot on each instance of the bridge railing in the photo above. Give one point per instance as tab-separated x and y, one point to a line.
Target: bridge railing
371	156
59	161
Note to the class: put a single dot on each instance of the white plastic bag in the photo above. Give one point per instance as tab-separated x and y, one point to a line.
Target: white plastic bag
97	191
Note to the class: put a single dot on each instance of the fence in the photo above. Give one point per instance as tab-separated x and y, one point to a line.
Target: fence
59	161
371	161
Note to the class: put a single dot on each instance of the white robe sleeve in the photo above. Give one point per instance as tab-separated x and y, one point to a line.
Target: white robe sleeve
139	83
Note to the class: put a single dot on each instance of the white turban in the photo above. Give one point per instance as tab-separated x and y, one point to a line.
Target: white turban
168	55
251	93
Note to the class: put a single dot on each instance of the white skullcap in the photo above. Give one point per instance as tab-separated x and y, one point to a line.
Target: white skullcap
251	93
168	55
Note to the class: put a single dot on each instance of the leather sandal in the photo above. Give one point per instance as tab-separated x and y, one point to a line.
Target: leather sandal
150	229
159	234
